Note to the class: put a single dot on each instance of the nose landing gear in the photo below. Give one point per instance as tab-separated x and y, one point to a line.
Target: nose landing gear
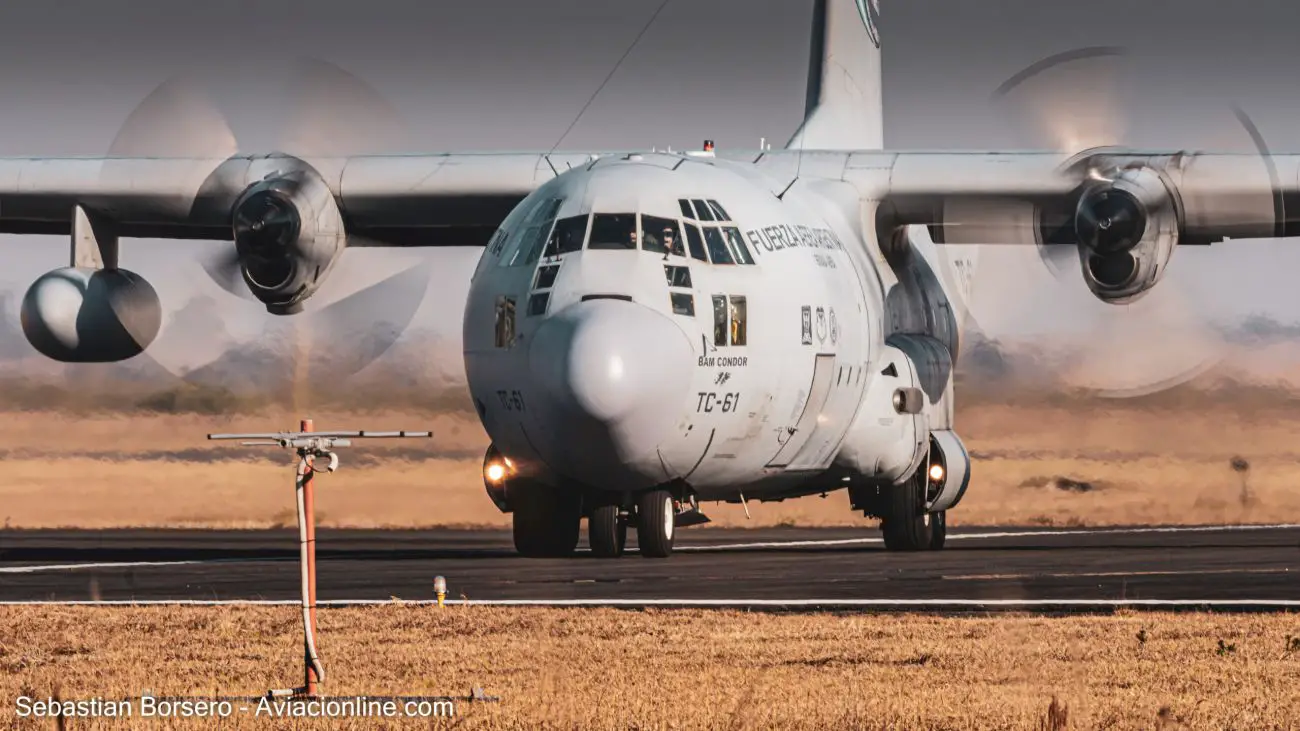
547	520
607	529
656	516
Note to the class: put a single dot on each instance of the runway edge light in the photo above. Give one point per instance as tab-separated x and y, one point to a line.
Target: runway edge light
440	588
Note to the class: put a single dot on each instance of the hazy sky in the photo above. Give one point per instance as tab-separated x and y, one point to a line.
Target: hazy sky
515	73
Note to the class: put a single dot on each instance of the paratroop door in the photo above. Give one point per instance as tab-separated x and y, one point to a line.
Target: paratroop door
823	374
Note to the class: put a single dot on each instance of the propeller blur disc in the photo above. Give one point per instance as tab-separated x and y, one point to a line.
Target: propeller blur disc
330	113
1083	99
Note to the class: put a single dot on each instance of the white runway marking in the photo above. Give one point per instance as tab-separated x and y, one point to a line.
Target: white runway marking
999	534
709	603
79	566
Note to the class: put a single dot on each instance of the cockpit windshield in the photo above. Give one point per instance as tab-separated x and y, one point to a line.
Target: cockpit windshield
661	235
567	236
705	234
613	231
718	250
737	244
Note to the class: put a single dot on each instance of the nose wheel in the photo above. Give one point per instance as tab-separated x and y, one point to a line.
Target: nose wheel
607	531
655	521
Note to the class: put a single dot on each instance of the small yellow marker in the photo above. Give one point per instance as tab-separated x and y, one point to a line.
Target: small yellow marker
440	588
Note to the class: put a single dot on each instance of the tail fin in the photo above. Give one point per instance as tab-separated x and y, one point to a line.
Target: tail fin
844	109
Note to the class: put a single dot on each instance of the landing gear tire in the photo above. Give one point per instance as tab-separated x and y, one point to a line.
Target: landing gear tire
655	522
938	529
546	522
906	524
606	531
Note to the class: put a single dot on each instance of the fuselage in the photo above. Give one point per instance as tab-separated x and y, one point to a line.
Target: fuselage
660	318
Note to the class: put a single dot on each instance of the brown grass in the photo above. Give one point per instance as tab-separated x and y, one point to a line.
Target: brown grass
611	669
1125	464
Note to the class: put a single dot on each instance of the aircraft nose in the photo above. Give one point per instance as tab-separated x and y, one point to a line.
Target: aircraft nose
613	377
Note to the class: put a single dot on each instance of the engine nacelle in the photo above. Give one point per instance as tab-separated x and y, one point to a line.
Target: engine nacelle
82	315
288	233
1127	228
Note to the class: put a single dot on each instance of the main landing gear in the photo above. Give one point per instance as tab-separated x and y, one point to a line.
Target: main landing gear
907	525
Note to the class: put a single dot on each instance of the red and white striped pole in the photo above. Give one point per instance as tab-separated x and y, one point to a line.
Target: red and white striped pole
309	558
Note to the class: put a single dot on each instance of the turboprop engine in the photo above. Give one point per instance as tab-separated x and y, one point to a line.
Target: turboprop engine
87	315
1126	229
288	233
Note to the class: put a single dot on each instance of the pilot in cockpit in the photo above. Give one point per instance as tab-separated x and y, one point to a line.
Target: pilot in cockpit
671	244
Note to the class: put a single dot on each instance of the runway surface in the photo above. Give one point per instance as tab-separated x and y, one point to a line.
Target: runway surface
1250	566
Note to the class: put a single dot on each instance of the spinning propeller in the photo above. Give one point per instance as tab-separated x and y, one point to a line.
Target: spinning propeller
1085	99
331	114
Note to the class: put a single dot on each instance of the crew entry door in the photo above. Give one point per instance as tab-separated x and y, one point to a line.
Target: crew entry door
823	376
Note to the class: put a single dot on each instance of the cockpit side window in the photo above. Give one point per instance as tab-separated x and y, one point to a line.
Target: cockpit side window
505	321
720	319
538	229
695	242
719	211
737	244
567	236
718	250
613	231
702	211
661	235
685	205
511	231
730	320
739	320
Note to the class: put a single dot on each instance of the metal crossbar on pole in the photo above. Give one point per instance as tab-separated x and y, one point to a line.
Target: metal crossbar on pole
310	445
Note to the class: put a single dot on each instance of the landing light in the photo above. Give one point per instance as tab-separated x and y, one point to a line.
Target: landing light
495	472
936	473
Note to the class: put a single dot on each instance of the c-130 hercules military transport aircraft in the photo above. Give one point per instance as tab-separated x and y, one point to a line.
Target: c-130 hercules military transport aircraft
650	330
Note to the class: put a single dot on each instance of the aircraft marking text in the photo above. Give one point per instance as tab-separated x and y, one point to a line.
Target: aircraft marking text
723	361
710	402
511	400
774	238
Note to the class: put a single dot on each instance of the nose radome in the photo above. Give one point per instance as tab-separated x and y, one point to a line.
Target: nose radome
614	372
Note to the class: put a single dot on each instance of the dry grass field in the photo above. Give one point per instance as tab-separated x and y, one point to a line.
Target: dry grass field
613	669
1037	462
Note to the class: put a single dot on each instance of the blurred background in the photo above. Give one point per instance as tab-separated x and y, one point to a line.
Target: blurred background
515	74
510	74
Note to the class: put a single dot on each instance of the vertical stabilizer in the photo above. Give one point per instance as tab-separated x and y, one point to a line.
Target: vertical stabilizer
843	109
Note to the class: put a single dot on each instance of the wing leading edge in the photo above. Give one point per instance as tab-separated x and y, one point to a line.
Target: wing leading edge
424	200
458	199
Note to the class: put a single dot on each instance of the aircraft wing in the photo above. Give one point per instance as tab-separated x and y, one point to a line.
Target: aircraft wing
389	200
460	198
1200	197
